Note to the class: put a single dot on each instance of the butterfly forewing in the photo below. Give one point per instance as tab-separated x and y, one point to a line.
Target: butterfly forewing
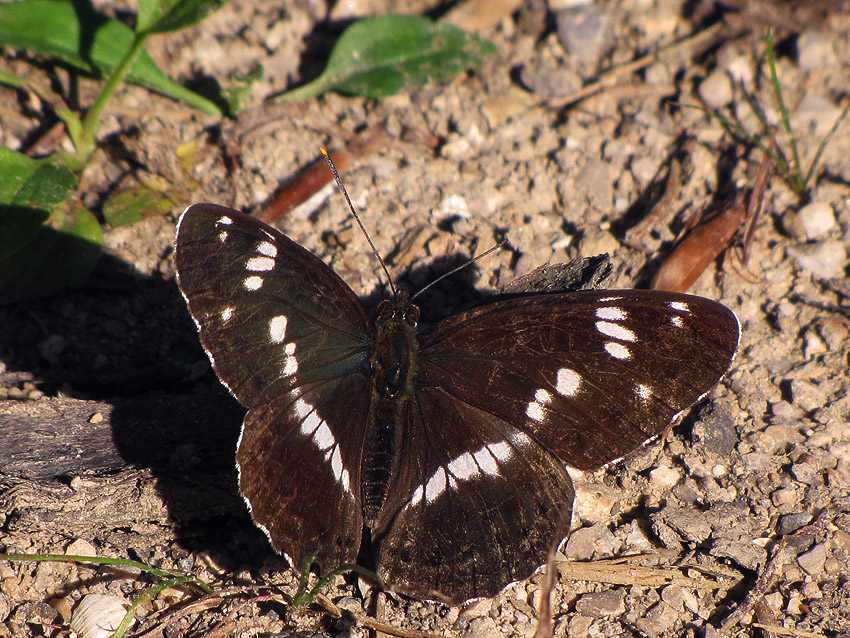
589	375
290	339
270	314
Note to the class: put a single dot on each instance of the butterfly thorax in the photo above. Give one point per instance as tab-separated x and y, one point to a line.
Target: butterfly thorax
394	367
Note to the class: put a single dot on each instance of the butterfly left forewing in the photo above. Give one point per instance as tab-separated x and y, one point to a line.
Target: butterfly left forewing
270	314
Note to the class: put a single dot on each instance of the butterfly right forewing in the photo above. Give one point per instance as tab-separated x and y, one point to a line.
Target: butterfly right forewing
590	375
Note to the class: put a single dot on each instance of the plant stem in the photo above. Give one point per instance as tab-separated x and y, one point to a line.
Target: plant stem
92	118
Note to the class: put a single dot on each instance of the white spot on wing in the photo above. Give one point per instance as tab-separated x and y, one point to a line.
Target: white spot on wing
616	331
227	314
277	329
611	312
224	220
290	361
520	440
542	397
267	248
677	321
643	392
567	382
302	408
316	428
436	485
534	411
501	451
464	467
618	350
680	305
468	466
486	461
340	473
253	282
609	299
259	264
222	236
323	437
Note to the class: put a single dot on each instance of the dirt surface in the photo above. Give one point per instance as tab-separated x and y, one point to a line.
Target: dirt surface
740	518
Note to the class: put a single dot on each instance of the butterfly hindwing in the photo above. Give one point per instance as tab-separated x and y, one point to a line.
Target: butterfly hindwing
476	504
289	338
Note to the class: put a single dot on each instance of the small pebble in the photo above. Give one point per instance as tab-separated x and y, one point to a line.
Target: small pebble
812	561
825	260
5	606
659	619
815	51
80	547
817	219
602	604
585	31
784	497
716	89
596	541
665	477
483	627
51	347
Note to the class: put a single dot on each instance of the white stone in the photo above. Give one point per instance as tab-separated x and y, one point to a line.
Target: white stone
817	219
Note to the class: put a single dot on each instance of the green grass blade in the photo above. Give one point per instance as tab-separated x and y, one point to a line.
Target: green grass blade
796	171
824	142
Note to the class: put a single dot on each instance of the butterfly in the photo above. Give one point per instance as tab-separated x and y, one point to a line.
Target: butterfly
441	452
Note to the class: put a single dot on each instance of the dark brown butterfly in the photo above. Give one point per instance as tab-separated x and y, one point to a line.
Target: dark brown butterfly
445	448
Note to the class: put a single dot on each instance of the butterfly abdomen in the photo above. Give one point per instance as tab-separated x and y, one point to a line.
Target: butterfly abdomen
394	367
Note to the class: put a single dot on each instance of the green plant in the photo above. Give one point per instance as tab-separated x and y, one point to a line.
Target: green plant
54	243
791	170
167	579
304	597
373	58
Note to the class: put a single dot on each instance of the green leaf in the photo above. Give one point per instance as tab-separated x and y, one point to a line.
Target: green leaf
29	190
380	56
132	205
185	13
60	255
148	12
80	36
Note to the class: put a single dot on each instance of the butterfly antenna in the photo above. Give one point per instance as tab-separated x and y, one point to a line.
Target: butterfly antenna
328	159
461	267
